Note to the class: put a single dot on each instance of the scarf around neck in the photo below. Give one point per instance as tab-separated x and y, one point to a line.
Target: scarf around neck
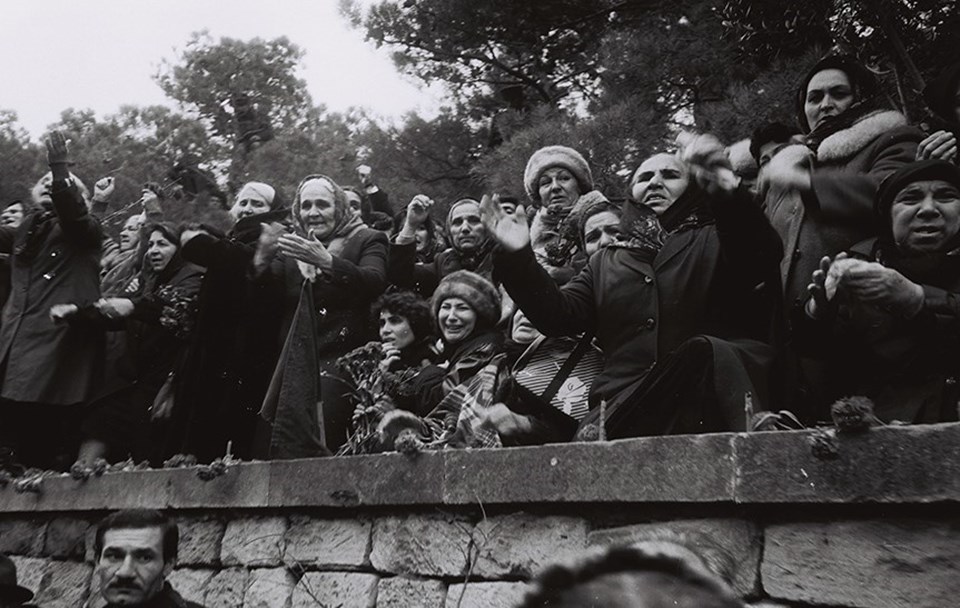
645	232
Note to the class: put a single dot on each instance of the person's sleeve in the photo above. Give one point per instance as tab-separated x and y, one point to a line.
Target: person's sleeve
211	252
836	193
748	242
553	311
7	237
369	275
404	271
940	312
78	225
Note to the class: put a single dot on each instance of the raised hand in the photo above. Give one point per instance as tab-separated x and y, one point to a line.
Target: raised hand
103	189
510	230
114	308
309	250
790	169
941	145
819	297
418	211
885	288
61	312
708	161
267	245
57	152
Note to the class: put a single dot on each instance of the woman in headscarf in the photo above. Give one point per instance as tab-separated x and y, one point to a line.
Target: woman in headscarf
819	194
680	306
884	314
943	98
235	347
469	246
159	319
330	269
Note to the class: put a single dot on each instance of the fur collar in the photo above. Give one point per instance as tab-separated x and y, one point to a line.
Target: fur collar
845	144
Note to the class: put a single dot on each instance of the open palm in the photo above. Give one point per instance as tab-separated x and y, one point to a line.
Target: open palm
510	230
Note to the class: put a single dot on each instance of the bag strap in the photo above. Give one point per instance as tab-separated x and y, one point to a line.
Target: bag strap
564	372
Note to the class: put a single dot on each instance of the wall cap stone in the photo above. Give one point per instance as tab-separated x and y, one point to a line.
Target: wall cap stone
909	464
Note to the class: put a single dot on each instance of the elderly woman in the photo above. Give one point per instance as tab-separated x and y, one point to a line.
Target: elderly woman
118	270
237	341
943	98
884	315
680	305
159	319
469	246
330	269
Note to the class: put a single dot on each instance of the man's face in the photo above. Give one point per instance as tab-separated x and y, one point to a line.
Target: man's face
132	569
925	216
466	229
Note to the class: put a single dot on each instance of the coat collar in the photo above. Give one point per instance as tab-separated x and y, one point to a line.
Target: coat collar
848	142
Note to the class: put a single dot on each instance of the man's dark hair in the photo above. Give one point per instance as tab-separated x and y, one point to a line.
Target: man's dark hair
770	132
553	584
130	519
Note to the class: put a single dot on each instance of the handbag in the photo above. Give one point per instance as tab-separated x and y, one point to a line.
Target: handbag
558	373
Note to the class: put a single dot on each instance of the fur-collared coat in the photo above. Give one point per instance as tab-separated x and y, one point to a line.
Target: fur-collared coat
838	211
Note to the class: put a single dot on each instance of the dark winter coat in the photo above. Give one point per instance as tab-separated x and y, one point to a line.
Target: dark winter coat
910	368
716	280
838	212
235	347
405	272
322	321
55	259
167	598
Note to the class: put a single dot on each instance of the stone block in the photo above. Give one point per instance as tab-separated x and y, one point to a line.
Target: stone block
200	538
244	485
66	538
520	545
269	588
30	571
327	542
191	583
729	547
21	536
341	589
485	595
686	468
227	588
868	564
383	479
422	545
400	592
253	541
64	585
889	464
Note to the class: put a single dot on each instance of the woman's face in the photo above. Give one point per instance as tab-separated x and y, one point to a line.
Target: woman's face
523	331
829	93
318	208
423	238
557	186
925	216
130	233
457	320
12	216
661	180
395	330
159	250
249	202
600	230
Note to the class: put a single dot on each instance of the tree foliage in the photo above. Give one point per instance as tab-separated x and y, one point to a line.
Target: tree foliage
21	161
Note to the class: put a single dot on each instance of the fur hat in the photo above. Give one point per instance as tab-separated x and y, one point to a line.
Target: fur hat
556	156
476	291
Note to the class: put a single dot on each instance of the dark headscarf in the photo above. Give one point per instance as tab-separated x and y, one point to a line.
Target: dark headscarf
152	279
866	98
922	170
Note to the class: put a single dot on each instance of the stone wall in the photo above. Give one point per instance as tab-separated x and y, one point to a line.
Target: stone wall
870	522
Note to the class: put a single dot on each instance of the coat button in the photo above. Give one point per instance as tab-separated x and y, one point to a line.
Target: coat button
647	279
796	255
650	323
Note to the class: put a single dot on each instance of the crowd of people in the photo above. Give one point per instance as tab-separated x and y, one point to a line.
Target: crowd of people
714	298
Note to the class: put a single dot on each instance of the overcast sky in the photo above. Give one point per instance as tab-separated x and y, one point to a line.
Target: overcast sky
101	54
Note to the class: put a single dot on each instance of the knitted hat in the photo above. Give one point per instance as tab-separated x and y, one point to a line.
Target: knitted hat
922	170
476	291
556	156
